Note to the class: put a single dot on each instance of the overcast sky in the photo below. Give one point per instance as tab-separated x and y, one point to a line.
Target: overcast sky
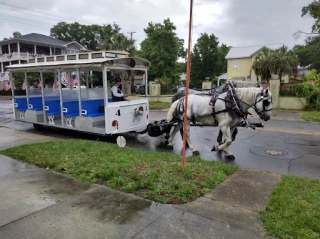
234	22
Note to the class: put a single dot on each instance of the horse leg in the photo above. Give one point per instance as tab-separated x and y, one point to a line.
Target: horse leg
173	133
228	153
219	139
227	134
195	152
181	132
234	133
168	130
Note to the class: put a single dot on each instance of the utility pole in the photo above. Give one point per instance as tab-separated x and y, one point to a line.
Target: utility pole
131	34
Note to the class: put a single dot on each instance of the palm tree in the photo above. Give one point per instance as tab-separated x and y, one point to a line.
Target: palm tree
263	66
285	62
280	62
118	41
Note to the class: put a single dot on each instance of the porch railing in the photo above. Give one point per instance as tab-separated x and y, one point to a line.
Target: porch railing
18	56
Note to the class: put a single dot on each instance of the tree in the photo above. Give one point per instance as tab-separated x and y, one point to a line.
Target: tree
14	34
313	10
263	65
285	62
94	37
280	62
118	41
162	47
207	59
309	54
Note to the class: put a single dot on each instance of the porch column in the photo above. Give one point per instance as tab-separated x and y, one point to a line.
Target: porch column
1	50
35	49
2	70
18	48
9	48
50	51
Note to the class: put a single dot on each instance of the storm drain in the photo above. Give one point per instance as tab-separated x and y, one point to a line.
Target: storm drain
276	153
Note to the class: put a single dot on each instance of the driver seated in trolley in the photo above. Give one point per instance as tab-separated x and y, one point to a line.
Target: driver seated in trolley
116	92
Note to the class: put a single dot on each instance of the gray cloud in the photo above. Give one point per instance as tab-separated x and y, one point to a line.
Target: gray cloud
234	22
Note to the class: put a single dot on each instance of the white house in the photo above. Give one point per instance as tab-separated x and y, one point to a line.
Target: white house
21	49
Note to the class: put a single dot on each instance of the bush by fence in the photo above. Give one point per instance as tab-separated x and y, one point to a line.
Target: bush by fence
310	92
287	89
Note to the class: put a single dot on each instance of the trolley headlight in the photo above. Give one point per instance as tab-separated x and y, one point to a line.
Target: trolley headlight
138	111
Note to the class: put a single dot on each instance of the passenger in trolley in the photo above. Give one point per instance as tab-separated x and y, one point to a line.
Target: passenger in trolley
116	92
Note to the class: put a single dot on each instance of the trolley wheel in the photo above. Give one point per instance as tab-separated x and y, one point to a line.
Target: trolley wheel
37	126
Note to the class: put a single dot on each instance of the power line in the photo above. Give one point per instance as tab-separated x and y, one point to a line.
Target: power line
29	13
42	12
24	21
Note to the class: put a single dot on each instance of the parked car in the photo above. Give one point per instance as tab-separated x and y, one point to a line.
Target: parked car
142	90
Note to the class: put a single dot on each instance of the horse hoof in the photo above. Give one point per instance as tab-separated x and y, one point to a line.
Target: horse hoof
170	146
195	153
214	148
231	157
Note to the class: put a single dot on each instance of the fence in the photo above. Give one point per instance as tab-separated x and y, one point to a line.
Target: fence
286	89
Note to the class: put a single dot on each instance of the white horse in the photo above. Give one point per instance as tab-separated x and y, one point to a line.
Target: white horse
200	110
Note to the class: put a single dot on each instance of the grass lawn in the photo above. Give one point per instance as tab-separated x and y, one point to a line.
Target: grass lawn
311	115
151	175
156	105
293	210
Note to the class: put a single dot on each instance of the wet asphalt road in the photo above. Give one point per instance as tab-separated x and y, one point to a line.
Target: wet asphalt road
283	146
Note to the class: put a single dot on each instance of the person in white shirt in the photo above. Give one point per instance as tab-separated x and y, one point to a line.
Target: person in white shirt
117	94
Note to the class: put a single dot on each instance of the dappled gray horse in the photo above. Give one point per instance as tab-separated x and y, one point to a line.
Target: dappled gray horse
213	92
226	112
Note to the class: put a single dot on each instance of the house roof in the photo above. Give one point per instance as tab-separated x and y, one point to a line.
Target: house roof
248	51
38	39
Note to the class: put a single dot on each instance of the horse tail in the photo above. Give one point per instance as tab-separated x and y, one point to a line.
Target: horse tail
176	110
170	114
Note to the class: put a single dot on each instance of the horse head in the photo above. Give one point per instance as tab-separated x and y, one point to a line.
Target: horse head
263	104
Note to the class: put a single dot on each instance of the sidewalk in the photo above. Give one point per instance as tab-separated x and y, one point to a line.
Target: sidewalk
45	204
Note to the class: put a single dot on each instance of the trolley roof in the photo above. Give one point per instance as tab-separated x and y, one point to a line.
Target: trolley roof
89	59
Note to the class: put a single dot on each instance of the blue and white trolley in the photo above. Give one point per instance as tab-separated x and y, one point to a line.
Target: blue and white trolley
81	107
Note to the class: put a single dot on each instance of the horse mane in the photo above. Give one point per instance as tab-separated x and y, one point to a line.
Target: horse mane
250	92
244	84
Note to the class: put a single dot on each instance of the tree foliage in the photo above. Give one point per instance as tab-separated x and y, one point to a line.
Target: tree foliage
14	35
280	62
313	10
162	47
93	37
309	54
207	59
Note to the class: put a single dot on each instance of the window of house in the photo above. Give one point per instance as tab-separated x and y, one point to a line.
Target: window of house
235	64
71	51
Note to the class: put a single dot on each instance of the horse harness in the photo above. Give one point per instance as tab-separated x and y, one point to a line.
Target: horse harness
232	103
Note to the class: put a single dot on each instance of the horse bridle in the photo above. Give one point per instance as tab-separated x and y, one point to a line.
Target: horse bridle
265	103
